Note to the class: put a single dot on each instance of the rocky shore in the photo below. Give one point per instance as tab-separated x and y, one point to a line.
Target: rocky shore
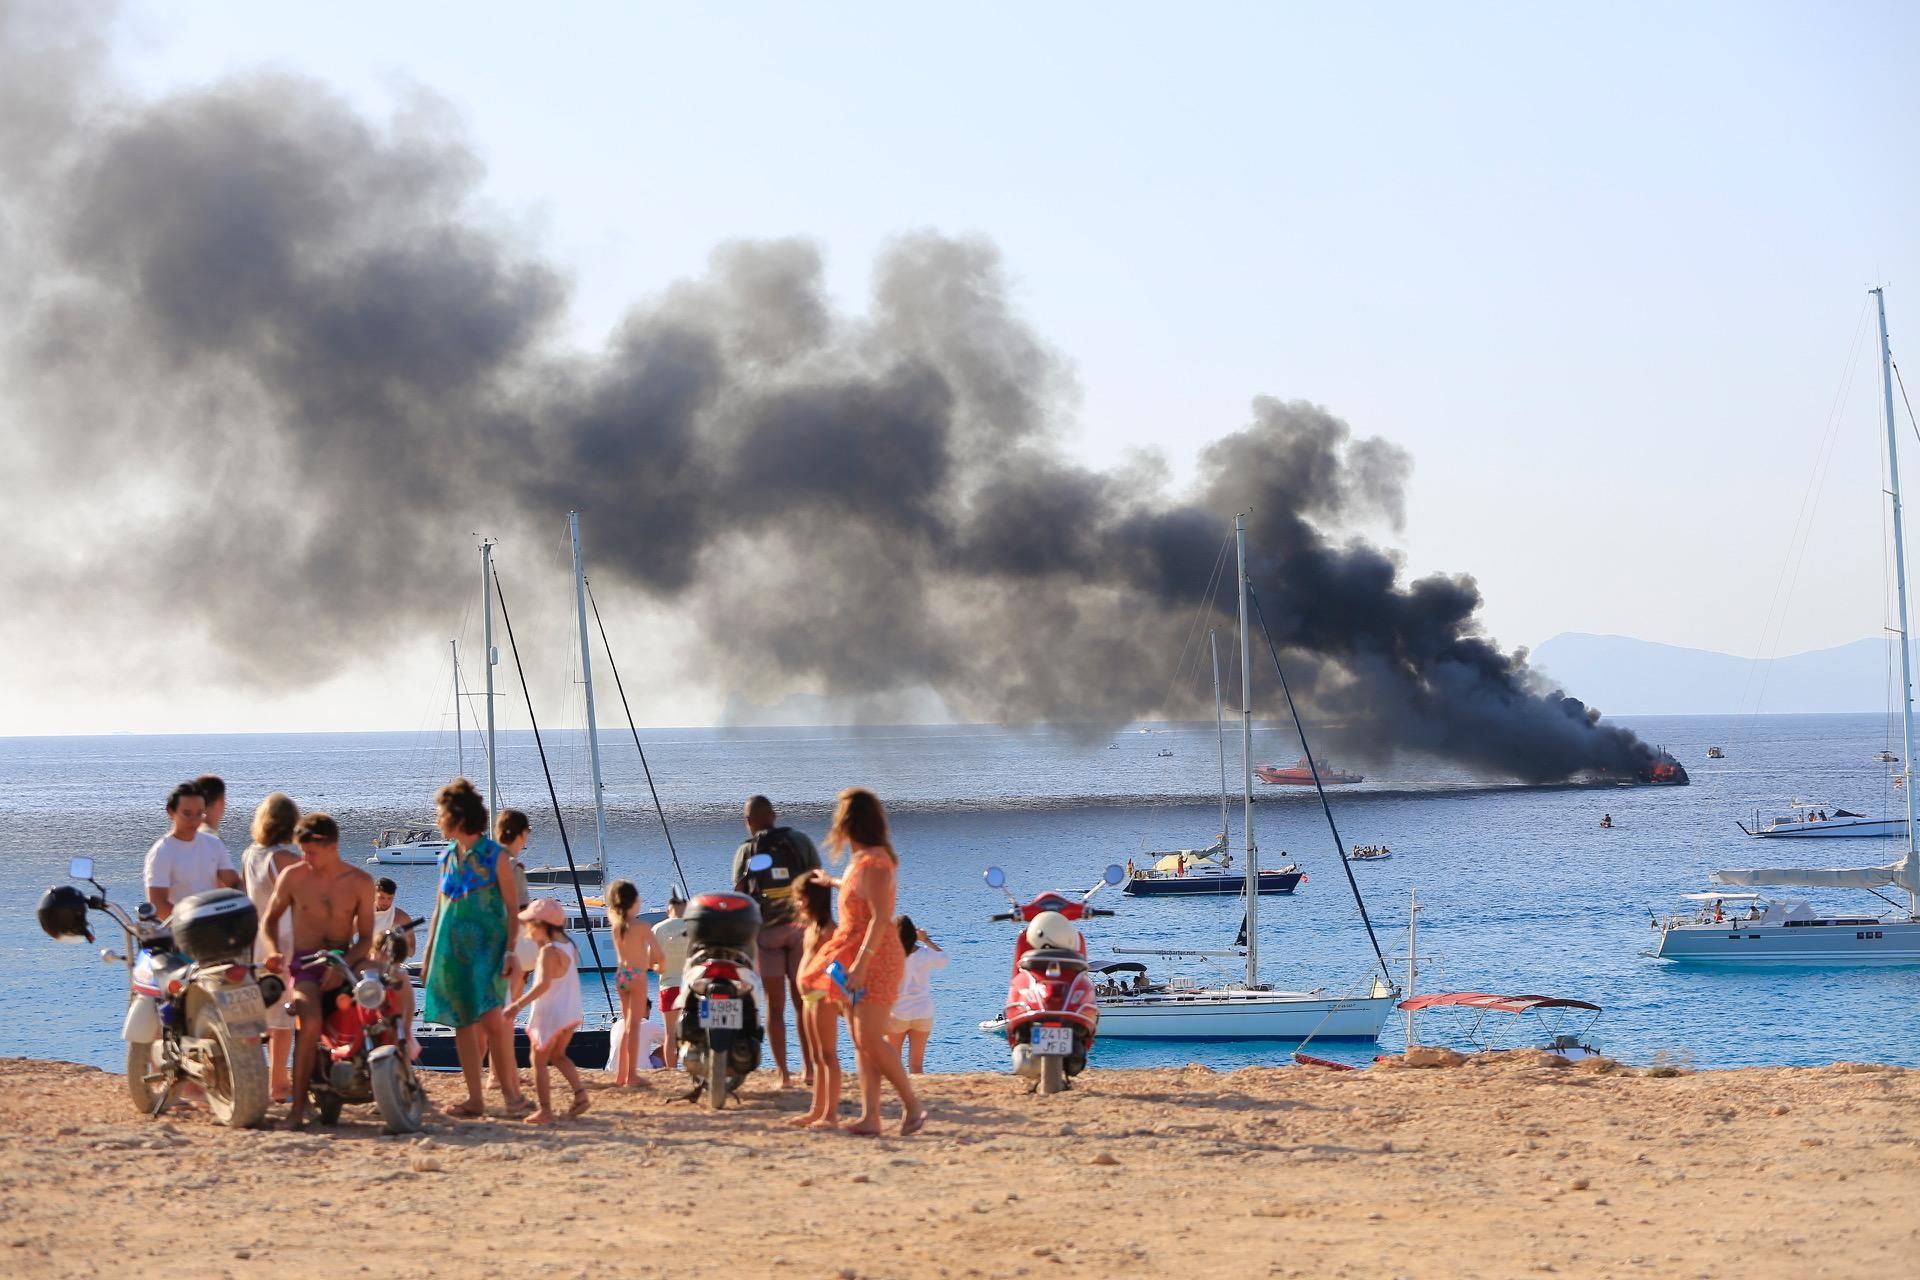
1507	1165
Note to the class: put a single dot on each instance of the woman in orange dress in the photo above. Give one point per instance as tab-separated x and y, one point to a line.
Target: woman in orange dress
867	945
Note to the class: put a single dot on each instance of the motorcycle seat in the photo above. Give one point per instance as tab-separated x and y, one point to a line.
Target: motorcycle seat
1044	957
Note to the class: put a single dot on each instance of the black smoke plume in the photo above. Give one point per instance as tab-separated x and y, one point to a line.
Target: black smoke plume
277	346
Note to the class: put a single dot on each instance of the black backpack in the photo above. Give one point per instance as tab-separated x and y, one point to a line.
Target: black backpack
773	888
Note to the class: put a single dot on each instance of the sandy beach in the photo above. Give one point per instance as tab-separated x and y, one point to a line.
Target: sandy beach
1505	1166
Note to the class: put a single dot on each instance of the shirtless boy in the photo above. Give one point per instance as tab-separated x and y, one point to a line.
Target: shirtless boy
332	905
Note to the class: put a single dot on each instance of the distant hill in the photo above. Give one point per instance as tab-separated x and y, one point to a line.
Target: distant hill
1623	676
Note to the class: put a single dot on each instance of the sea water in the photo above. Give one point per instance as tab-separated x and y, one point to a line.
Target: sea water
1522	889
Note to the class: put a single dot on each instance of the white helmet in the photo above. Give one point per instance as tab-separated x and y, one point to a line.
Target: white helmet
1052	930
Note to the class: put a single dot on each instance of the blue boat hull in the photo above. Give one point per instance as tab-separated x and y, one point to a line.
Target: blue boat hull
1271	882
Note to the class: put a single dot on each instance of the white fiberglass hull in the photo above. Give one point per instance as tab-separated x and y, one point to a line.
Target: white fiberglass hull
408	855
1835	829
1843	941
1243	1015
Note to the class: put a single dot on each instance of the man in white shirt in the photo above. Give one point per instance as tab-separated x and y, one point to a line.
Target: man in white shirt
186	860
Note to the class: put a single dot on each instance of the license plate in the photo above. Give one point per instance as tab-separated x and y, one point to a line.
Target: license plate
1053	1042
241	1004
722	1015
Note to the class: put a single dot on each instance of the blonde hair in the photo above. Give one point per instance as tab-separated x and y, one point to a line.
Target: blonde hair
859	819
274	820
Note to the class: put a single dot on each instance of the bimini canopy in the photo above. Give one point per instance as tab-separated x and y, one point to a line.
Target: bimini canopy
1122	966
1487	1000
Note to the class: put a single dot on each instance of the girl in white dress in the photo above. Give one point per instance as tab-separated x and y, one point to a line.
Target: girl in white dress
555	999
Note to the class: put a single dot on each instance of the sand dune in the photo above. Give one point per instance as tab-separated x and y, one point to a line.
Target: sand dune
1501	1167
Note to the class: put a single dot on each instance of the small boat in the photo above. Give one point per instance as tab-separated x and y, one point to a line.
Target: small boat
418	846
1300	774
1606	822
1886	757
1807	820
1715	753
1372	853
1551	1015
1164	755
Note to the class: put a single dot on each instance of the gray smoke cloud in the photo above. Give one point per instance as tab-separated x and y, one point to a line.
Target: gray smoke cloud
250	290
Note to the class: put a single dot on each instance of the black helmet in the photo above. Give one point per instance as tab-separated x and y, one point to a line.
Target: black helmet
63	914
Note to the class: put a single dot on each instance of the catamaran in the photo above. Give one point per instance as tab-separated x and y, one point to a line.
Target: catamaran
1789	931
1184	1008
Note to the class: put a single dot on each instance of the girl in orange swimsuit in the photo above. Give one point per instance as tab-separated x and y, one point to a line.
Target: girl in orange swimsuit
867	945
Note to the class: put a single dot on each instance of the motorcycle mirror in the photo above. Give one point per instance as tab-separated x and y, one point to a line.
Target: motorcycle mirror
996	878
147	911
1114	873
759	862
80	868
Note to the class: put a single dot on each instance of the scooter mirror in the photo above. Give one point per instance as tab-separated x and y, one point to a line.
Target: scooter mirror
996	878
81	868
759	862
1114	873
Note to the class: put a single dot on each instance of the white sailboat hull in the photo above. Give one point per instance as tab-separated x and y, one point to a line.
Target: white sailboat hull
408	855
1243	1015
1834	940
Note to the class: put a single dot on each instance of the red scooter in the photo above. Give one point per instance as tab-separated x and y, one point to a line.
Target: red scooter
360	1056
1051	1013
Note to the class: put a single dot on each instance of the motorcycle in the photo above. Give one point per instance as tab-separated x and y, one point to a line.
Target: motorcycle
721	994
1052	1013
360	1054
196	1010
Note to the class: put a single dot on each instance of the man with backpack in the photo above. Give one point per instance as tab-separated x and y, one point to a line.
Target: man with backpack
781	939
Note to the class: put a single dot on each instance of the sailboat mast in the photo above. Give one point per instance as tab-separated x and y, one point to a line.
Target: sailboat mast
586	675
487	659
1219	731
1413	952
1252	866
1900	578
459	729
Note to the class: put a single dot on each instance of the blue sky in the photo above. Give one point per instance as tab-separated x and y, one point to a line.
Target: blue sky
1597	268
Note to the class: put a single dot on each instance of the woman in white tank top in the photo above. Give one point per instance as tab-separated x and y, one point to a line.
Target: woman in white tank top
272	852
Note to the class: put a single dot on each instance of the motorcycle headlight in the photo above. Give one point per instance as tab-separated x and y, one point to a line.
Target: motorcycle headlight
369	992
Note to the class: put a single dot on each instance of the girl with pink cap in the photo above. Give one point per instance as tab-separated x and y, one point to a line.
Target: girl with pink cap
555	1000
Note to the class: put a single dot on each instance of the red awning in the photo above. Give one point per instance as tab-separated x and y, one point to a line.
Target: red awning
1487	1000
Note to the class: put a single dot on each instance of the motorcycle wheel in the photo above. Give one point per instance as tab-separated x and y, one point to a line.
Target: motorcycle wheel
716	1079
141	1060
1053	1073
237	1083
397	1090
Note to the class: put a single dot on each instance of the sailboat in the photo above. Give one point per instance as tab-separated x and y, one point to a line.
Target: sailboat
1783	930
1184	1009
1189	872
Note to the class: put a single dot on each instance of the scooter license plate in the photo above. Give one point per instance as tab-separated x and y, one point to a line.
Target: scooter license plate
721	1014
1053	1042
241	1004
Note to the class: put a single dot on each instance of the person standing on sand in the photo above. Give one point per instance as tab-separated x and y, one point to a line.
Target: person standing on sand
867	945
332	907
912	1022
819	1016
186	860
638	955
670	935
793	856
512	829
466	962
261	866
213	789
555	1000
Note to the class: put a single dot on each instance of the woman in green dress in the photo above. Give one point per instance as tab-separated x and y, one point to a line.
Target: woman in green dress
468	957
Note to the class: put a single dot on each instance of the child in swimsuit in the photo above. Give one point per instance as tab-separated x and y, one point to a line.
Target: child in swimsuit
637	951
555	998
813	911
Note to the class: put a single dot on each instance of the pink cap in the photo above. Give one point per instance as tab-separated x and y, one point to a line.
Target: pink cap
546	911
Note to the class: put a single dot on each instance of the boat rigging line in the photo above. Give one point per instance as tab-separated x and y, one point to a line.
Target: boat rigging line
1306	752
559	822
658	808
